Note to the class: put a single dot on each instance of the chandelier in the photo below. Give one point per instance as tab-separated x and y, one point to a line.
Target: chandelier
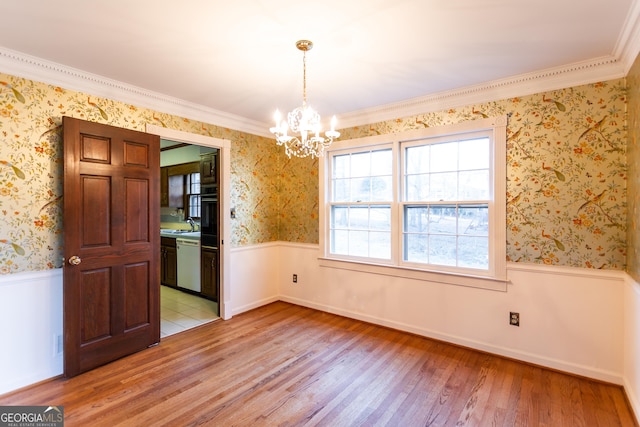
303	122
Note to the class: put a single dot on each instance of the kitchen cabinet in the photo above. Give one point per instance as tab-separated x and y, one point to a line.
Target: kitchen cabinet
172	183
176	191
164	187
168	262
209	273
209	168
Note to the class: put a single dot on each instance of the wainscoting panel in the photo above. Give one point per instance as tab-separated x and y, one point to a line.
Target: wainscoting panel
30	328
254	276
632	343
571	319
580	321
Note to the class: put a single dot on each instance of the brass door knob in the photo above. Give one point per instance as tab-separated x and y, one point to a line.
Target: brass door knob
75	260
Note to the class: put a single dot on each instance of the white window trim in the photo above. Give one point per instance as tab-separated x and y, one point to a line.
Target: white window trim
497	277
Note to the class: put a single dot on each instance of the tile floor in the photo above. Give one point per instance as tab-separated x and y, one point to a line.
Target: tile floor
180	311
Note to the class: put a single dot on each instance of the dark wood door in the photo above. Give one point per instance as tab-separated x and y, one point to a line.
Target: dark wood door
164	186
111	243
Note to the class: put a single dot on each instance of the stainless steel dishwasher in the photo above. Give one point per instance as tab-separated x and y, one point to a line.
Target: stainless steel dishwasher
188	264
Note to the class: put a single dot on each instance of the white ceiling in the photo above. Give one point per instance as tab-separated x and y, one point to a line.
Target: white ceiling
239	57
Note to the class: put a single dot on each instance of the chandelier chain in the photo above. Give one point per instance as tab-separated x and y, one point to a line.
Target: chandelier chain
304	77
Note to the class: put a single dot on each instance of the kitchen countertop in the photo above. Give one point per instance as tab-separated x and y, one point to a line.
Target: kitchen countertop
180	234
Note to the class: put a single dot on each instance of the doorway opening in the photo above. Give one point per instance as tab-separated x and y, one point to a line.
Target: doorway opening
188	229
189	304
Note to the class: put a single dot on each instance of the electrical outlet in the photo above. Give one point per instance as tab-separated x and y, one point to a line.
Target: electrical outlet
514	318
295	278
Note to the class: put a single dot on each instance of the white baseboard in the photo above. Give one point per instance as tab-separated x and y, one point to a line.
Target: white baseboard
254	304
633	399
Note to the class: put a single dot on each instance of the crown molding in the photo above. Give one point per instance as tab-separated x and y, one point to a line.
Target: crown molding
601	69
576	74
628	45
38	69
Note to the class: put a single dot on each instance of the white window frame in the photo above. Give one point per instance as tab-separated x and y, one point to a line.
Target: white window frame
495	278
198	205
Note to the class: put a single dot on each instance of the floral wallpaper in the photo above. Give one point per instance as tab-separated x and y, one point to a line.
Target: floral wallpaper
31	169
254	164
566	189
297	186
633	186
566	172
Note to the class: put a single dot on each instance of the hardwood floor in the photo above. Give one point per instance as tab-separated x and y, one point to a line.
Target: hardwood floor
285	365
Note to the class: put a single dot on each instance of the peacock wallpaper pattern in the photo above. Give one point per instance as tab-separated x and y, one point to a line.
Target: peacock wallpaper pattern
566	171
31	169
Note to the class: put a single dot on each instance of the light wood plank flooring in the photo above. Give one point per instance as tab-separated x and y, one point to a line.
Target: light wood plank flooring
285	365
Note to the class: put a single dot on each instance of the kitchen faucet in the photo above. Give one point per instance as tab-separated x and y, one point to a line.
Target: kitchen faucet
192	223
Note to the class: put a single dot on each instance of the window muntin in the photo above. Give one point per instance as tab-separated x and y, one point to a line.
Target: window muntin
442	176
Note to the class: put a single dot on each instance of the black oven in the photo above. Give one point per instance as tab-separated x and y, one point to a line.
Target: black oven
209	216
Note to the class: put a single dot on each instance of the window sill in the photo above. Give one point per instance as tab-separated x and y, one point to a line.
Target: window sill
458	279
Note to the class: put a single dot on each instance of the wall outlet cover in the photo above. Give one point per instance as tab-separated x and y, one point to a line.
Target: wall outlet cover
514	318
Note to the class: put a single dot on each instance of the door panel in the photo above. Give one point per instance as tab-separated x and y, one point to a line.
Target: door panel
136	154
136	210
111	227
95	296
136	283
96	208
95	149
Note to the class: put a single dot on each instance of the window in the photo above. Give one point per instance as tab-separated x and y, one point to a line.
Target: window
423	202
192	184
361	210
445	203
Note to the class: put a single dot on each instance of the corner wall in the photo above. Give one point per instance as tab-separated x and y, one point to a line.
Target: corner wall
632	289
